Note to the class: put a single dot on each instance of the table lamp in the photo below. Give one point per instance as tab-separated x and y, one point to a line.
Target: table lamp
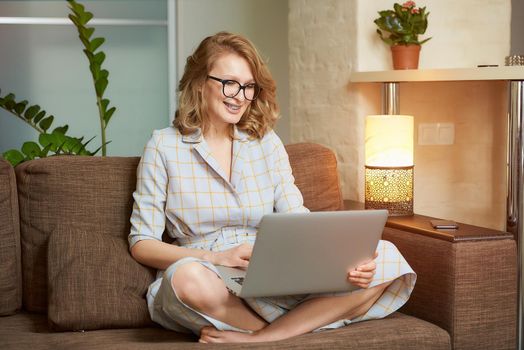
389	163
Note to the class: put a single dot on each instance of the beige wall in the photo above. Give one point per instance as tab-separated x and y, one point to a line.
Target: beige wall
464	181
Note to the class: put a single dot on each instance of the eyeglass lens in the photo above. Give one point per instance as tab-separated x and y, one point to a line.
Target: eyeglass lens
231	88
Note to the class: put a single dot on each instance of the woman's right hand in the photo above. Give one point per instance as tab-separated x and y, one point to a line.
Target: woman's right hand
235	257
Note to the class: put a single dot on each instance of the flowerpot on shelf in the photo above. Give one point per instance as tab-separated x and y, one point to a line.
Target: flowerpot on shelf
405	56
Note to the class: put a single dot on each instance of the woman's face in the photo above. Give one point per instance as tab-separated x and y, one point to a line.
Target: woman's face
222	110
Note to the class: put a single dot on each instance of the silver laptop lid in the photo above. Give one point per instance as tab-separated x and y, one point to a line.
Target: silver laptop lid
311	252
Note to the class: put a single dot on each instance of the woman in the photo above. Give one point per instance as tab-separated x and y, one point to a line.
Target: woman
208	180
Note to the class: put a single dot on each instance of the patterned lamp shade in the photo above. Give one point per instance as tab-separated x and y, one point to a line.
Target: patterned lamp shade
389	163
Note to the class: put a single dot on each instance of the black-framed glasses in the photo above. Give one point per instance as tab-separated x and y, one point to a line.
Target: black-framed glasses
231	88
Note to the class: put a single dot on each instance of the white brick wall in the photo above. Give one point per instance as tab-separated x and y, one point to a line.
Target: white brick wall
322	41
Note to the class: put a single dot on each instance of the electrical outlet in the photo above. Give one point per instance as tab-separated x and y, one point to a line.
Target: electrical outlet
436	134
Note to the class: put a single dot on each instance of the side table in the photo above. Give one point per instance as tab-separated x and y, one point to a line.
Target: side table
466	279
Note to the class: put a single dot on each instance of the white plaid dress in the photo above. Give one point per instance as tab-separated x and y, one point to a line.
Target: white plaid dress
182	189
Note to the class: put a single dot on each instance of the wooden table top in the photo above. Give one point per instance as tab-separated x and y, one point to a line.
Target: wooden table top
421	224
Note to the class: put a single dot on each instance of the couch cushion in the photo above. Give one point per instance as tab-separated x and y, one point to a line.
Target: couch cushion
94	283
315	171
93	194
395	332
10	261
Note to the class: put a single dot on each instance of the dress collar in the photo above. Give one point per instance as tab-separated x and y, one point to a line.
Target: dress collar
197	136
194	137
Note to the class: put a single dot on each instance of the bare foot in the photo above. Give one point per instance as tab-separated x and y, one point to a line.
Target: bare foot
213	335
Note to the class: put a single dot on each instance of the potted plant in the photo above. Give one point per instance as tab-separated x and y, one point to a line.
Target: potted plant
56	141
403	24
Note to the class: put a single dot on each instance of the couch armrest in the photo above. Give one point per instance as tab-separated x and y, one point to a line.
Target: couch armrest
467	281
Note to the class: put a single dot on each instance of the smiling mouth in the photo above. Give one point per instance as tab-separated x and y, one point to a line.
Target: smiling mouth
232	106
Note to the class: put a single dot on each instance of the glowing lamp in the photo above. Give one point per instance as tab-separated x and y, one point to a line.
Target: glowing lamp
389	163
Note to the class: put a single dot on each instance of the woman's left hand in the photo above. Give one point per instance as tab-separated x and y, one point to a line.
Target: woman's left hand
363	274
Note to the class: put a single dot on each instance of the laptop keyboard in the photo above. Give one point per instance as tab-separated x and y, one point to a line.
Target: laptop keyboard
239	280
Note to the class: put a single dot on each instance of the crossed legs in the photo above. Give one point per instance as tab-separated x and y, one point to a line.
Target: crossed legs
201	289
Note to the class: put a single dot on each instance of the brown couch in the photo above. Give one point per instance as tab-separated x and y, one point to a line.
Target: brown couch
67	279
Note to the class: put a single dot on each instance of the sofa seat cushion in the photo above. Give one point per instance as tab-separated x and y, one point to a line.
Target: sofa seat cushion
395	332
94	283
31	331
10	259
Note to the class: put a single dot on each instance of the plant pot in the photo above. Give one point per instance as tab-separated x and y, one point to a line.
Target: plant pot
405	56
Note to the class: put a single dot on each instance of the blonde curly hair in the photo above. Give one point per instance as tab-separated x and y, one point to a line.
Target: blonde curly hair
260	115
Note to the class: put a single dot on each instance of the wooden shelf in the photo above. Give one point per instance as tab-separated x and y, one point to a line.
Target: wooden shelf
453	74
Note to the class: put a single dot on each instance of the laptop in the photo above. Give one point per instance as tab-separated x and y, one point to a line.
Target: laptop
302	253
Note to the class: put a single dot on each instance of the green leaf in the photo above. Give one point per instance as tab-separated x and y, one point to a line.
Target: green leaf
95	70
20	107
89	55
45	151
74	19
31	112
99	57
61	129
104	74
54	140
85	17
76	6
109	114
398	8
72	145
10	105
83	150
76	146
58	141
99	148
86	32
95	43
46	123
64	147
100	86
39	116
105	103
386	13
86	44
423	41
31	149
45	139
13	156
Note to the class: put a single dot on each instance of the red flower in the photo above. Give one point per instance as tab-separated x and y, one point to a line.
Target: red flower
415	11
409	4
